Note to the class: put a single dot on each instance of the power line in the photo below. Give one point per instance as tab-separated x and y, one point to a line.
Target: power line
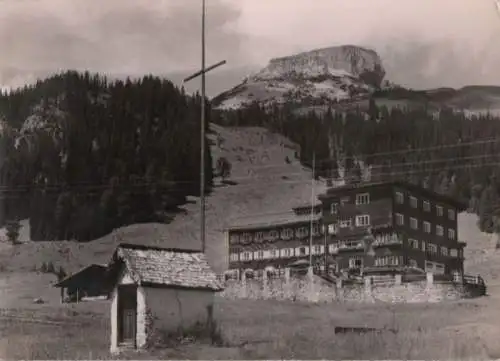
405	151
368	184
401	151
98	186
187	182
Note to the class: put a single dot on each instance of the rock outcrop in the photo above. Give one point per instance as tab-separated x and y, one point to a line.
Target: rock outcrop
315	77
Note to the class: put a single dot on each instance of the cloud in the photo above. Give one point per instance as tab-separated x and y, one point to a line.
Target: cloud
117	36
423	43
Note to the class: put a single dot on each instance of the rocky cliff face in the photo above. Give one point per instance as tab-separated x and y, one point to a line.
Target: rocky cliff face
314	77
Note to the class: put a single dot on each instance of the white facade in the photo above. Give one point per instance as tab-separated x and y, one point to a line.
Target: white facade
169	309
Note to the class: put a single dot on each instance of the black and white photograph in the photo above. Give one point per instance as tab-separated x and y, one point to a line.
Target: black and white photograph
249	179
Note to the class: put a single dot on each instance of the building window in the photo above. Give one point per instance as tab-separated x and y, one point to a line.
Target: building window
439	211
451	214
453	252
344	200
287	252
332	248
332	228
434	267
363	220
273	253
302	232
413	243
355	262
413	263
439	230
246	256
259	254
400	198
273	234
345	223
334	208
400	219
427	206
444	251
413	223
287	233
302	251
413	202
234	239
451	234
259	236
387	261
233	257
363	198
427	227
423	246
432	248
315	229
247	237
317	249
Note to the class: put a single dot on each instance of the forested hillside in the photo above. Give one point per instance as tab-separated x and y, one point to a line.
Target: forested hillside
83	155
444	150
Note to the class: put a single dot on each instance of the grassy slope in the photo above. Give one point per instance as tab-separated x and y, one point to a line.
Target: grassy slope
258	160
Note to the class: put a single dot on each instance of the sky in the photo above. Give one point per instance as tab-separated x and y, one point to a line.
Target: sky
423	43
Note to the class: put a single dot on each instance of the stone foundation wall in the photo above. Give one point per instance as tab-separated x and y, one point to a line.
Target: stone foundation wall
319	291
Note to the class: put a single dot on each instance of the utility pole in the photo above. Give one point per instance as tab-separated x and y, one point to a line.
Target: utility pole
312	211
202	72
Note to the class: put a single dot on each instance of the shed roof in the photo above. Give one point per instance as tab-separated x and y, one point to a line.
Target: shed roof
93	272
167	267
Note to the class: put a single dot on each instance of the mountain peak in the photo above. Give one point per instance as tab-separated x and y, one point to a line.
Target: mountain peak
321	75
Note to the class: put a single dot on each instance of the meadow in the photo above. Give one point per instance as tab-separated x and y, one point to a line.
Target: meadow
255	329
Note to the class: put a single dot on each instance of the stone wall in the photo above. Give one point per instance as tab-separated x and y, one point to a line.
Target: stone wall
315	289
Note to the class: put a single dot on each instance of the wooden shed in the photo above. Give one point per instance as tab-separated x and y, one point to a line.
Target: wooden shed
89	282
157	291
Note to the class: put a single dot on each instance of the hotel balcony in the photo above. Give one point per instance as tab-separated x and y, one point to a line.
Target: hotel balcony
350	246
386	240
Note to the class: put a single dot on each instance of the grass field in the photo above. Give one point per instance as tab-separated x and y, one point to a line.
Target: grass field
250	329
268	330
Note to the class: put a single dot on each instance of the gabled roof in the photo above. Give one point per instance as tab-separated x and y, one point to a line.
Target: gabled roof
90	273
167	267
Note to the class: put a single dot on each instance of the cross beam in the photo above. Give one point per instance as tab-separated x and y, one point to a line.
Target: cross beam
200	72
